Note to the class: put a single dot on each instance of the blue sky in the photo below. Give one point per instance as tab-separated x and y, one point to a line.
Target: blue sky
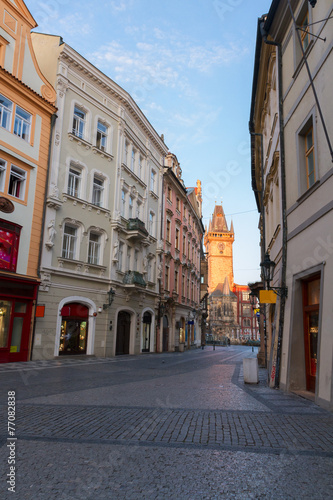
189	66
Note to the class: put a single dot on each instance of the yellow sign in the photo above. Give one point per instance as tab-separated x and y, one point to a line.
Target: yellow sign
267	297
256	311
13	348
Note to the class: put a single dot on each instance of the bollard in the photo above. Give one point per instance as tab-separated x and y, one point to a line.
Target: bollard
252	349
213	346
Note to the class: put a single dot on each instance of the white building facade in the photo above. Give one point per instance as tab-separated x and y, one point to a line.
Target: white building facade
103	213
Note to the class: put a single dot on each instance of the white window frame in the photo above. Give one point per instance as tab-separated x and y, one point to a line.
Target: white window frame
120	256
74	178
94	249
123	203
151	223
6	111
130	207
78	122
153	180
3	171
22	123
98	188
102	141
133	160
66	251
20	176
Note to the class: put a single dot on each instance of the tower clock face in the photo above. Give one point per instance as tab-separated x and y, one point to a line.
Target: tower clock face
221	247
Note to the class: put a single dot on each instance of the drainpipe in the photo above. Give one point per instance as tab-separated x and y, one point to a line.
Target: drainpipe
53	120
283	203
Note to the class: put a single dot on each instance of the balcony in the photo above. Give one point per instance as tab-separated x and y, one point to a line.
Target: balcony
136	230
134	278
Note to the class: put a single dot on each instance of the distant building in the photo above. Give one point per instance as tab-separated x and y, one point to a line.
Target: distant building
180	264
230	311
26	109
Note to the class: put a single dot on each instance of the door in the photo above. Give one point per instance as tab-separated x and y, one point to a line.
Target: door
165	334
311	298
74	329
15	321
146	329
123	333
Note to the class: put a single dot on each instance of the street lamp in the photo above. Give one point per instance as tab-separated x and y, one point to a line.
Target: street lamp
111	294
268	267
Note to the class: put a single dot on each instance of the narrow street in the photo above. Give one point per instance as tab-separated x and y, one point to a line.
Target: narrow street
161	426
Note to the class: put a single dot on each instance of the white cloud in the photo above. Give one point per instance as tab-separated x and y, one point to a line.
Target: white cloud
165	60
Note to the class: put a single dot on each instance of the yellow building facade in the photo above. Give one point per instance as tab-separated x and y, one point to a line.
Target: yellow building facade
26	110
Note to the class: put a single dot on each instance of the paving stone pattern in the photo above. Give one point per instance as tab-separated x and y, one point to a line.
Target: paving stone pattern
187	428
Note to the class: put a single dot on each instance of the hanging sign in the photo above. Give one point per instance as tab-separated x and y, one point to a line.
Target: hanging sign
267	297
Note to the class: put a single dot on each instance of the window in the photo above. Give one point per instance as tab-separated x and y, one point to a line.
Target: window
74	181
120	255
123	203
152	180
133	160
126	152
3	166
94	248
168	226
247	310
129	251
17	182
140	166
98	188
183	285
178	204
184	211
304	31
130	208
22	124
151	223
307	155
169	193
79	121
9	245
136	259
309	158
246	296
102	136
176	281
177	239
69	242
5	112
184	244
188	249
167	275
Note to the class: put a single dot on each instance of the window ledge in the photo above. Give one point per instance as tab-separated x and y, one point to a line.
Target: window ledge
308	192
79	140
85	204
153	195
102	154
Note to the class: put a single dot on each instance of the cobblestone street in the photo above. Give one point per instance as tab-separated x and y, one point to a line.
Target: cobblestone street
166	426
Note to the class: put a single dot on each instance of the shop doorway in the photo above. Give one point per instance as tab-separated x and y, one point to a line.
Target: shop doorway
165	334
123	333
74	329
311	298
15	322
146	332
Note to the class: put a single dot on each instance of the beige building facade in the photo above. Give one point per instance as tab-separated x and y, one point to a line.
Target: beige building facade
291	127
103	215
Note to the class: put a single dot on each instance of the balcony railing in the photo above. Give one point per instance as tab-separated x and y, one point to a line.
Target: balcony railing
136	229
134	278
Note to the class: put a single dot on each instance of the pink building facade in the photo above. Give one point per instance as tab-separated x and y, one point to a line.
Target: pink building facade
179	271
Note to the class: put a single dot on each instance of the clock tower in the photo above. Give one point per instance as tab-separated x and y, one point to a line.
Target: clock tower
218	242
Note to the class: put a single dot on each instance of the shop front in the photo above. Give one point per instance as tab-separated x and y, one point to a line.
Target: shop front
74	329
17	305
